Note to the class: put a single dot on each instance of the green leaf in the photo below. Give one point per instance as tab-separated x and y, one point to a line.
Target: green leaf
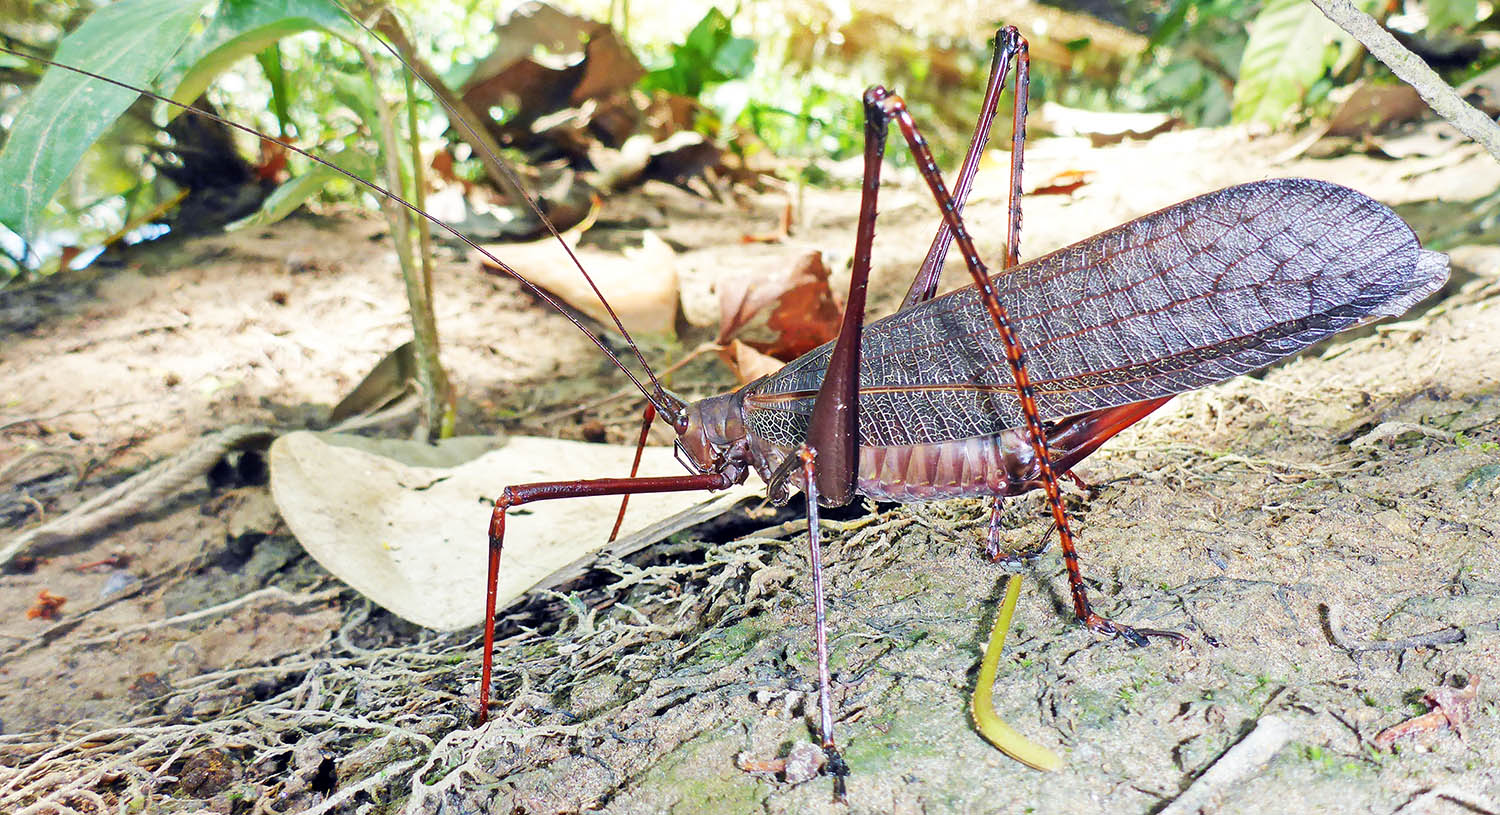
242	28
287	197
270	65
1169	25
357	93
1445	14
734	59
66	113
709	55
1291	45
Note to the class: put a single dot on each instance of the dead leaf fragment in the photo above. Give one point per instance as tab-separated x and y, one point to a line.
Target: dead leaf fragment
802	763
1372	108
1101	127
801	312
1451	708
46	607
546	60
1063	183
747	363
404	522
640	284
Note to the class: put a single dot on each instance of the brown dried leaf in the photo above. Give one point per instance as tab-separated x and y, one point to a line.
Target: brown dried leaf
546	60
1372	108
802	311
46	607
801	764
1063	183
747	363
1450	709
805	315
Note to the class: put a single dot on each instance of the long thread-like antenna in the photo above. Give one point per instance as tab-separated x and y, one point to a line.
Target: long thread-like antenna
664	404
477	143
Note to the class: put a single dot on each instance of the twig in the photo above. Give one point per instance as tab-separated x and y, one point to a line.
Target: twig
138	493
1413	71
621	393
272	592
1443	636
1470	800
14	466
9	423
1388	432
1270	735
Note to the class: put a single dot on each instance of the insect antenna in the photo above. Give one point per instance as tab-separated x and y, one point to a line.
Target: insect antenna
670	407
664	403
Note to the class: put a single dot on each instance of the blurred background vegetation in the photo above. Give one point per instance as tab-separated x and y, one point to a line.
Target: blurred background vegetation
772	88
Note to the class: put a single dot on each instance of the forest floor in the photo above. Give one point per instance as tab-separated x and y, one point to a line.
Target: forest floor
1325	535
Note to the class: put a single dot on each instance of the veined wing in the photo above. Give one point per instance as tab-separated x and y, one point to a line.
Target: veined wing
1185	297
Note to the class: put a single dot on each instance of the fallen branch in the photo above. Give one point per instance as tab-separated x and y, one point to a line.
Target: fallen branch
139	493
1442	636
1413	71
1269	736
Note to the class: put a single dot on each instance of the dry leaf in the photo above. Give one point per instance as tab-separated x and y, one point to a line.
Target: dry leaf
640	284
546	60
1372	108
1063	183
747	363
411	536
46	607
1450	708
1101	127
802	313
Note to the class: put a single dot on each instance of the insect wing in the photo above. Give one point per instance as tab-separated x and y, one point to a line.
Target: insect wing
1180	299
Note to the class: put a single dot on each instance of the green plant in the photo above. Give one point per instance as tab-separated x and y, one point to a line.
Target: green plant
710	65
179	48
172	46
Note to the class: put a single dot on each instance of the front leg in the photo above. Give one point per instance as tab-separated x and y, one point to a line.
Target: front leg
527	493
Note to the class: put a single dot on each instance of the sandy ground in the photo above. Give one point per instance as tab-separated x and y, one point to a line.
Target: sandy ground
1297	526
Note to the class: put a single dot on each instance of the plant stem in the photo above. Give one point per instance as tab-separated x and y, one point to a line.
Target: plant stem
437	397
1413	71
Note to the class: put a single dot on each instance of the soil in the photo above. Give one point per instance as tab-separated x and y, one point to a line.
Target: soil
1324	534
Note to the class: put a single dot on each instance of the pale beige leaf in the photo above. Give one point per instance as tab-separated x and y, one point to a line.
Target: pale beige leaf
412	537
640	284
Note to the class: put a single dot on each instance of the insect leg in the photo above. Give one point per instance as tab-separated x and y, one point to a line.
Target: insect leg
836	766
894	108
647	417
1069	442
834	427
1009	45
547	490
